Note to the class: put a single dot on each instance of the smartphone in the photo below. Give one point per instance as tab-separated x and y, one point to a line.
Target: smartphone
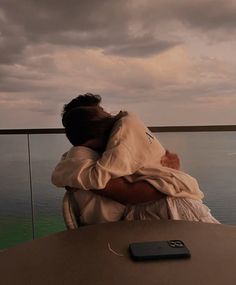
158	250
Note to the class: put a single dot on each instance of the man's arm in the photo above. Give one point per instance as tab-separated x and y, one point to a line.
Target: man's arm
84	171
124	155
73	164
125	192
122	191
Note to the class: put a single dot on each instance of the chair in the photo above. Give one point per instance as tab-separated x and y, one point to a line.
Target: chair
70	211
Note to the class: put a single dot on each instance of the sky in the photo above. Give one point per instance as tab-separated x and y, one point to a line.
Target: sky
172	62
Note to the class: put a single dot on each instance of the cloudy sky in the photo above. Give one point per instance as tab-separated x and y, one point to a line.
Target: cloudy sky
172	62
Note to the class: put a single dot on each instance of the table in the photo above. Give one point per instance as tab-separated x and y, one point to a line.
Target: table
82	256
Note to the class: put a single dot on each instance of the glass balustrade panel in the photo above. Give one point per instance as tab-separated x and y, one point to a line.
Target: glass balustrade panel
15	199
208	156
46	150
211	158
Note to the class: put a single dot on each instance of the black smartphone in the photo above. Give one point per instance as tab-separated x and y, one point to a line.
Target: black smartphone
158	250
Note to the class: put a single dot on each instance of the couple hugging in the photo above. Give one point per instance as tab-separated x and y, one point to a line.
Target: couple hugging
118	170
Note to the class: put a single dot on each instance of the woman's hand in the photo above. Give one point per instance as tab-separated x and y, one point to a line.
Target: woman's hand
170	160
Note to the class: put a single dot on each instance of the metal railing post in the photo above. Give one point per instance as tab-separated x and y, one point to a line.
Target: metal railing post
31	186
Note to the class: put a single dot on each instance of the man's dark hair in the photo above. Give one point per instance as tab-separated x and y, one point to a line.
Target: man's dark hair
85	100
85	123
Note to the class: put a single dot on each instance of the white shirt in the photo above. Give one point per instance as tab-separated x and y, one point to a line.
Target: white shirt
132	152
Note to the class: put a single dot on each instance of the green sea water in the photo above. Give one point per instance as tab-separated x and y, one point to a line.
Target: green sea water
17	230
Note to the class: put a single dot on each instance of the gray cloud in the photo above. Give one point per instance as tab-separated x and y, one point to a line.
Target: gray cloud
38	40
33	74
125	28
203	14
48	20
140	47
12	42
212	15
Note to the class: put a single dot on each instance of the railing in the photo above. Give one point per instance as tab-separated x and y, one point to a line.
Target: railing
155	129
29	155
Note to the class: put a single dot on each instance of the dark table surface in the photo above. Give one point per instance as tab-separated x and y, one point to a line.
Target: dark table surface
82	256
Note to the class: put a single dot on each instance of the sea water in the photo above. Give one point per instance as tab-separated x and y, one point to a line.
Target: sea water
208	156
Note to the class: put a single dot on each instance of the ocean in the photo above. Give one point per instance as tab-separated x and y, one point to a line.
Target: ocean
208	156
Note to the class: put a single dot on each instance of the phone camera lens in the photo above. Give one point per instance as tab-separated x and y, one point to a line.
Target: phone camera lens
178	243
172	244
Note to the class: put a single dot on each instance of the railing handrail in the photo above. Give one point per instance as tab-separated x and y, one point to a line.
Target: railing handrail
155	129
31	131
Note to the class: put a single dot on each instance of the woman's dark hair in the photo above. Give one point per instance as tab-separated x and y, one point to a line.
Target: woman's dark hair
85	123
85	100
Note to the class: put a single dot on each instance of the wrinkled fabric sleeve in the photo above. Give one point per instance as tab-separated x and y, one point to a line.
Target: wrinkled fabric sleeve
129	148
91	172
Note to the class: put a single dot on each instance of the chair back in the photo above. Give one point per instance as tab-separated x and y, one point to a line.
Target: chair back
68	208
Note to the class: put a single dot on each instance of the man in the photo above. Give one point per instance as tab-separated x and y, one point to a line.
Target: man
120	189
